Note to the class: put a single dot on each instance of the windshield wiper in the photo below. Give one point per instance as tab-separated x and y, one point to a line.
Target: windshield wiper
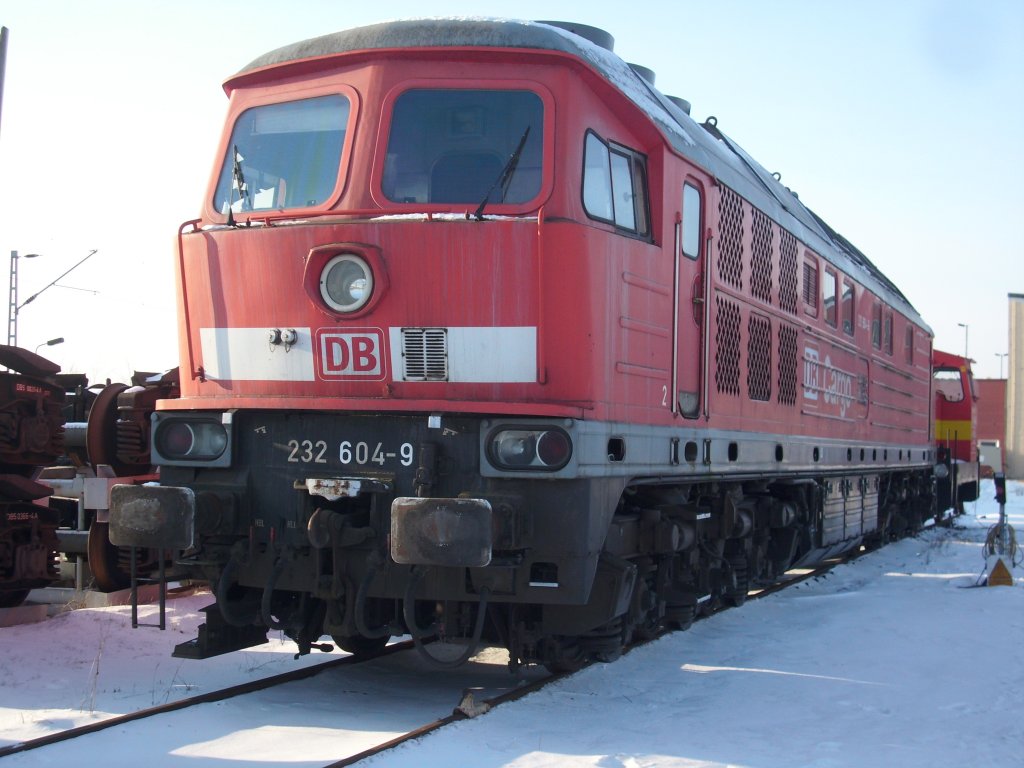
505	177
237	182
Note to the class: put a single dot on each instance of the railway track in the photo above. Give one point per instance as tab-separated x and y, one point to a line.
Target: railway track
470	707
206	698
474	699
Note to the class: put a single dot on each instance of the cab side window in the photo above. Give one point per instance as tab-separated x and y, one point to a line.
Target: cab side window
615	185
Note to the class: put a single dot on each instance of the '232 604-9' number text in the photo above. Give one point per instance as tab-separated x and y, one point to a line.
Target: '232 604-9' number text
361	453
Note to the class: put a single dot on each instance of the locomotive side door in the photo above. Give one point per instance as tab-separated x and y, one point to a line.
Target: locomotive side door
689	303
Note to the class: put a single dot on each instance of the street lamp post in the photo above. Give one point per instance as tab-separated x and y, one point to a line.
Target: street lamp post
965	327
1002	356
50	343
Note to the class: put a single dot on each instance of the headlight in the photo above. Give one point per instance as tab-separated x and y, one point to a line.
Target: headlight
181	440
545	449
346	283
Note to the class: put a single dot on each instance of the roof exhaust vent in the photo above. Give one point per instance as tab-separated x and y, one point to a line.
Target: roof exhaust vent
597	36
647	75
683	104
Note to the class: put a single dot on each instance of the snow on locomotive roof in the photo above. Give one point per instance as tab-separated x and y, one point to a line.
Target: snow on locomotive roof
706	145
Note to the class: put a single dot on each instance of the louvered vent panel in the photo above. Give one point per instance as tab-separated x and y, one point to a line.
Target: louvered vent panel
787	272
759	358
761	257
727	347
811	286
730	256
425	354
787	364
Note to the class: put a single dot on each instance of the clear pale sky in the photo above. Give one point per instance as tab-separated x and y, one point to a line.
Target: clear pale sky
900	122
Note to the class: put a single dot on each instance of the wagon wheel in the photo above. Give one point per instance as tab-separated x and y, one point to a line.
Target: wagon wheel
105	560
101	431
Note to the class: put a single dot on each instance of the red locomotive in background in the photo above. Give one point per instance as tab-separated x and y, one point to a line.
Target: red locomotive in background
483	335
956	430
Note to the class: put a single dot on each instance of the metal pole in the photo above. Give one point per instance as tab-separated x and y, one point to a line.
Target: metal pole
3	66
12	303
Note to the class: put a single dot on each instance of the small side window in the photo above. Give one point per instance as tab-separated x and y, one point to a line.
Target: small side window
876	325
691	221
848	306
828	297
887	333
615	185
909	344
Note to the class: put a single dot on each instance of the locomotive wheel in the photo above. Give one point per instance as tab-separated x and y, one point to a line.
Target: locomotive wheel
680	611
564	656
361	646
644	619
13	597
737	595
104	560
605	643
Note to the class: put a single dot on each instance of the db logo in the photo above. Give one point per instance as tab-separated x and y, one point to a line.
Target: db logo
351	353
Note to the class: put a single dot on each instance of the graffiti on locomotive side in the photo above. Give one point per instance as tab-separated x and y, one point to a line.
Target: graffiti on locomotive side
831	385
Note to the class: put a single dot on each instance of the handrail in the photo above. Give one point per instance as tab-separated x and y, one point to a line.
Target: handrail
193	372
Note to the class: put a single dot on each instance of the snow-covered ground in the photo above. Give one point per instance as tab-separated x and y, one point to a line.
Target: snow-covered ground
893	660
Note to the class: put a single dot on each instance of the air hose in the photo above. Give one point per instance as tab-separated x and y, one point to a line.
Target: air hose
409	614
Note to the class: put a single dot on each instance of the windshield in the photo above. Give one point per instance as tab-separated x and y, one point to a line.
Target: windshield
283	156
948	383
455	146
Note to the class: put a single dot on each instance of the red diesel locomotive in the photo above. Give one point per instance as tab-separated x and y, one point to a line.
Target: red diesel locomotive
483	336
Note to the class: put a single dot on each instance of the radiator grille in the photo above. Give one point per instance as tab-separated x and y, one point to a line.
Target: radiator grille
730	260
727	343
425	354
759	358
761	257
787	364
787	272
